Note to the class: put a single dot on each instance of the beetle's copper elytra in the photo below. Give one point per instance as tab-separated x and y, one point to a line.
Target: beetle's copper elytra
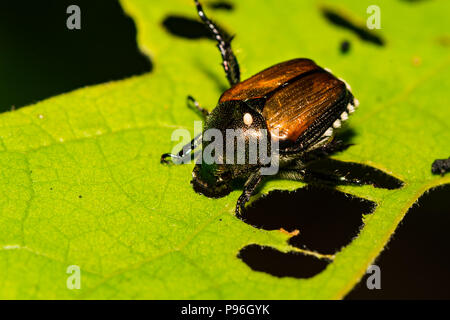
297	102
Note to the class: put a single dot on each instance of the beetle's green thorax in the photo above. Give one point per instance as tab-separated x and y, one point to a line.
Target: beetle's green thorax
231	121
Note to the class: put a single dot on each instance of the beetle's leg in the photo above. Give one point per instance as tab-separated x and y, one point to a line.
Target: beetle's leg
333	147
249	188
193	104
292	174
188	148
229	61
326	150
184	152
303	174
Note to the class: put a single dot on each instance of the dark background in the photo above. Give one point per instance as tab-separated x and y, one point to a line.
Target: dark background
40	58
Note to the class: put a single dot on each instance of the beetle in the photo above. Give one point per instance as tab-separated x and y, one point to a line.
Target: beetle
297	103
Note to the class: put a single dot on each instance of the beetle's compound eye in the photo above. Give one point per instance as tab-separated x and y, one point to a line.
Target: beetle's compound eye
248	119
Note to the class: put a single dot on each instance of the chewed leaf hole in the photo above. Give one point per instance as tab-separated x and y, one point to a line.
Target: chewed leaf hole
221	5
416	263
326	219
280	264
361	31
188	28
185	27
415	1
330	170
41	57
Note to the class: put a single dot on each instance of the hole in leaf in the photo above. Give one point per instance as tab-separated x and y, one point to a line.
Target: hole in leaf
186	27
415	1
345	46
415	264
41	57
189	28
280	264
362	32
221	5
327	219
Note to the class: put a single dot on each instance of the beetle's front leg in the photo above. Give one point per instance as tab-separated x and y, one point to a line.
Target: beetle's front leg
229	61
184	152
193	104
249	187
188	148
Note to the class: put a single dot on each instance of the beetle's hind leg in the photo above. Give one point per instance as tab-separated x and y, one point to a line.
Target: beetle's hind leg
300	171
193	104
326	149
184	153
229	61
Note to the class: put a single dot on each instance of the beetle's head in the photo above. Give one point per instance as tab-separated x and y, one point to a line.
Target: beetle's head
212	180
229	132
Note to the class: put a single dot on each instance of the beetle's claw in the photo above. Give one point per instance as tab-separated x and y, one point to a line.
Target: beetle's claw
163	158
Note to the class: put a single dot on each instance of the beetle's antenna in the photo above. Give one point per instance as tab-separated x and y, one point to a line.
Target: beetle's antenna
185	151
229	61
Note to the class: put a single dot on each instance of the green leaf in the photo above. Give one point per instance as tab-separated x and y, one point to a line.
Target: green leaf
81	183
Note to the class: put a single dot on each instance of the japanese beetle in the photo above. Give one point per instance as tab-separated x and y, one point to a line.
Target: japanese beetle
297	103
